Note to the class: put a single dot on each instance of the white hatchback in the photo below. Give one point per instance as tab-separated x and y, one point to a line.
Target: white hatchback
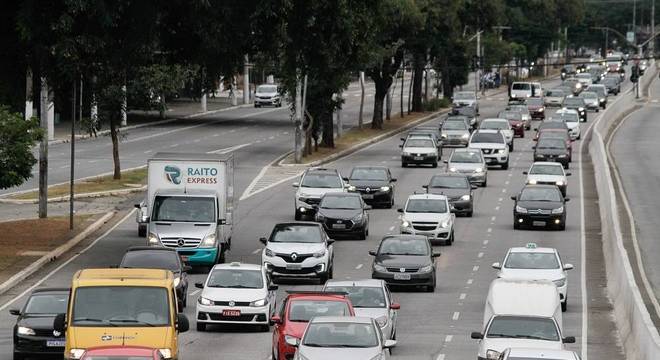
548	173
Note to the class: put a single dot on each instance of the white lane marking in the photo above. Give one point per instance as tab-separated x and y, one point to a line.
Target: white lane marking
440	357
470	281
485	242
194	292
91	162
391	228
358	267
489	230
216	135
506	182
148	151
503	190
256	251
271	137
174	145
493	218
480	255
75	256
462	296
497	208
475	268
229	149
448	338
232	130
456	315
197	140
500	199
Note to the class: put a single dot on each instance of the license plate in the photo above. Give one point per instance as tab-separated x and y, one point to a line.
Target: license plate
418	158
55	343
401	276
231	313
185	258
538	223
293	266
339	226
490	160
367	196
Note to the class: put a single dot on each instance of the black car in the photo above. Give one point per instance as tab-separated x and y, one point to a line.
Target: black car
539	205
149	257
577	104
552	149
374	183
34	334
343	214
405	260
457	189
469	113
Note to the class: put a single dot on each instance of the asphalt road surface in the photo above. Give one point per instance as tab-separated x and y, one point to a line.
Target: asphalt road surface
433	326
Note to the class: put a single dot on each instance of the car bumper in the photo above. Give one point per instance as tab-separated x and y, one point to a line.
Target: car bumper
309	268
271	101
562	160
199	257
538	115
358	228
37	345
377	197
455	141
519	130
496	159
539	220
461	206
424	159
249	315
437	234
416	279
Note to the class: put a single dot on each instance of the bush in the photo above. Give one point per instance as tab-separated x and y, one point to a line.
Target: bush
17	137
437	104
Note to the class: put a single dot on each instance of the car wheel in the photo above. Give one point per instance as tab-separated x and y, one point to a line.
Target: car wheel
298	215
516	225
435	164
562	227
450	239
597	110
469	213
142	231
506	165
331	273
485	183
201	326
564	304
403	164
566	166
578	137
523	135
391	204
431	288
323	278
272	355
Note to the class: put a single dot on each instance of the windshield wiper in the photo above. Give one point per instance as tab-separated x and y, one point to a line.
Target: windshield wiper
315	345
132	321
530	337
94	320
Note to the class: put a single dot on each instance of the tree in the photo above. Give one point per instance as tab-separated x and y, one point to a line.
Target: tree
17	137
153	84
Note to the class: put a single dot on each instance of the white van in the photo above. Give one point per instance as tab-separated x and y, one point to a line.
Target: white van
521	313
521	90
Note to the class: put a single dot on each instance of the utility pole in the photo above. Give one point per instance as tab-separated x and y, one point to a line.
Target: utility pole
73	153
403	77
43	150
477	71
360	120
298	123
246	81
652	43
340	125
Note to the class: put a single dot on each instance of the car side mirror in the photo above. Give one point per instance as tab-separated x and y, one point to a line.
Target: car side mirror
568	174
567	199
186	268
401	146
137	206
524	172
395	306
15	312
276	319
295	184
473	186
435	254
425	186
403	139
316	206
182	323
513	198
345	179
476	335
292	341
367	207
568	266
372	252
330	241
393	180
536	129
388	344
59	323
399	210
496	265
199	285
273	287
263	240
569	340
445	161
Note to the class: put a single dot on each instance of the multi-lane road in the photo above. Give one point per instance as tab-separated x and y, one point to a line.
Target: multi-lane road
431	325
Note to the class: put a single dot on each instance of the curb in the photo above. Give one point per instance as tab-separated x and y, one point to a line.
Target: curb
76	196
54	254
365	143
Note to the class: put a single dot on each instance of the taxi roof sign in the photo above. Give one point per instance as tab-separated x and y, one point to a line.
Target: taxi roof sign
531	245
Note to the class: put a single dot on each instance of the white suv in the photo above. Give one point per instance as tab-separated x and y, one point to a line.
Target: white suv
493	146
300	250
503	126
315	183
428	215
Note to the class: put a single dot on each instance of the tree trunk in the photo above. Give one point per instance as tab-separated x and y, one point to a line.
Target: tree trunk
327	139
115	148
382	84
418	64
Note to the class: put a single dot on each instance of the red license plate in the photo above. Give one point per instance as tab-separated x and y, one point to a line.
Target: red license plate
231	313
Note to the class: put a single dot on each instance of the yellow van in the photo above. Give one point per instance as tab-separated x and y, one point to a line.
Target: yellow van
131	307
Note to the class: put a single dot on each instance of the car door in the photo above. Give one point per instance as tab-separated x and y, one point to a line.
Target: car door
392	312
272	295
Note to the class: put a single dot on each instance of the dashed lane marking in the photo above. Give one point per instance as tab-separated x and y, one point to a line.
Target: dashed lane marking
456	315
440	357
194	292
391	228
489	230
493	218
359	267
480	255
448	338
475	268
497	208
256	251
462	296
500	199
470	281
485	242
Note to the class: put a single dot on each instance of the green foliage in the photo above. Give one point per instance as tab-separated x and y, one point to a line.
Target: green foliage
17	137
437	104
153	84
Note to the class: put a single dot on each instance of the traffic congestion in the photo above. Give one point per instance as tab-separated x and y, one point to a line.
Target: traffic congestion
350	249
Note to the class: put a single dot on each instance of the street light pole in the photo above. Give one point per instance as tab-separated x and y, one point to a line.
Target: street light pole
652	43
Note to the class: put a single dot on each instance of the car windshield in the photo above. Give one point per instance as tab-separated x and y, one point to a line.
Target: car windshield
362	296
398	246
600	91
419	142
610	81
184	209
267	89
481	137
537	101
551	143
589	95
518	108
497	125
531	260
152	259
369	174
472	157
546	170
341	202
454	125
235	279
612	59
554	93
341	335
134	306
521	86
567	117
296	234
426	206
305	310
464	96
583	76
46	304
540	194
523	328
449	182
325	181
509	115
573	101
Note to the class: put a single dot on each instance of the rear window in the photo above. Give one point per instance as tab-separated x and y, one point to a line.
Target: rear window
521	86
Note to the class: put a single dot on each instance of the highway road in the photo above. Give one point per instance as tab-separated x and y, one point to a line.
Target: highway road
432	326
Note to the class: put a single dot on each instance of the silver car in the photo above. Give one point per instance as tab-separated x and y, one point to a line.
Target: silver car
341	337
554	97
465	99
268	94
591	100
370	298
455	132
471	163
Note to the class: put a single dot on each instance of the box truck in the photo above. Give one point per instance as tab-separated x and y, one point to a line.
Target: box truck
191	205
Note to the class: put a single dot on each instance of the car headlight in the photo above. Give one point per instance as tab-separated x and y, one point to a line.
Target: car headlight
208	242
405	223
319	254
492	354
426	269
289	337
259	303
380	268
540	155
542	109
405	153
358	217
560	183
351	188
465	136
444	224
76	353
499	151
269	252
444	136
452	169
177	281
205	301
22	330
532	182
521	209
153	239
165	353
558	210
384	188
381	321
580	109
465	197
479	170
560	283
320	218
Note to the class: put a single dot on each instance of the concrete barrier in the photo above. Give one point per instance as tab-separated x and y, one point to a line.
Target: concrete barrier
638	334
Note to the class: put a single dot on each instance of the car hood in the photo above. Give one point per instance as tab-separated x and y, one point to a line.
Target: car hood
545	178
295	328
179	230
316	192
86	337
373	184
500	344
487	146
420	150
452	193
316	353
550	151
545	205
534	107
426	217
42	322
403	260
464	102
299	248
455	132
554	98
591	101
466	166
339	213
572	124
536	274
373	313
274	93
223	294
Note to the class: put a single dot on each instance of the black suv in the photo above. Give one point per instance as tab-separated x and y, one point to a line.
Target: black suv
343	214
539	205
552	149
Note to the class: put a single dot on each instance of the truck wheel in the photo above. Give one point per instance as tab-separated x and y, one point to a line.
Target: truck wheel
221	256
298	215
142	231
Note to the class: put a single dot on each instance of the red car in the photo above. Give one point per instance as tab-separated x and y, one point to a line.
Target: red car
296	311
516	121
122	352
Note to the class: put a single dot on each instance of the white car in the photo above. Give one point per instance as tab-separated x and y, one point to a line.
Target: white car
315	183
419	150
538	354
554	97
536	263
465	99
548	173
370	298
236	294
493	145
572	120
584	78
501	125
298	250
341	337
428	215
521	90
267	94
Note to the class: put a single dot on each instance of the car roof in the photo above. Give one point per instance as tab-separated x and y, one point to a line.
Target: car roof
342	319
521	249
566	111
320	296
540	186
497	119
547	163
449	174
237	266
297	223
342	194
470	150
543	353
427	197
356	283
50	290
374	167
404	237
150	248
322	171
487	131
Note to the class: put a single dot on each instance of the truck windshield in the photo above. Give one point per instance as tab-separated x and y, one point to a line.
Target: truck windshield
125	306
184	209
522	327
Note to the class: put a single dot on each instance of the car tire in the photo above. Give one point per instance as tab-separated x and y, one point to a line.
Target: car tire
298	216
562	227
566	166
523	135
273	356
469	213
579	137
404	164
597	110
142	231
516	225
323	279
564	304
391	204
511	147
485	183
434	164
201	327
450	240
505	166
431	288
